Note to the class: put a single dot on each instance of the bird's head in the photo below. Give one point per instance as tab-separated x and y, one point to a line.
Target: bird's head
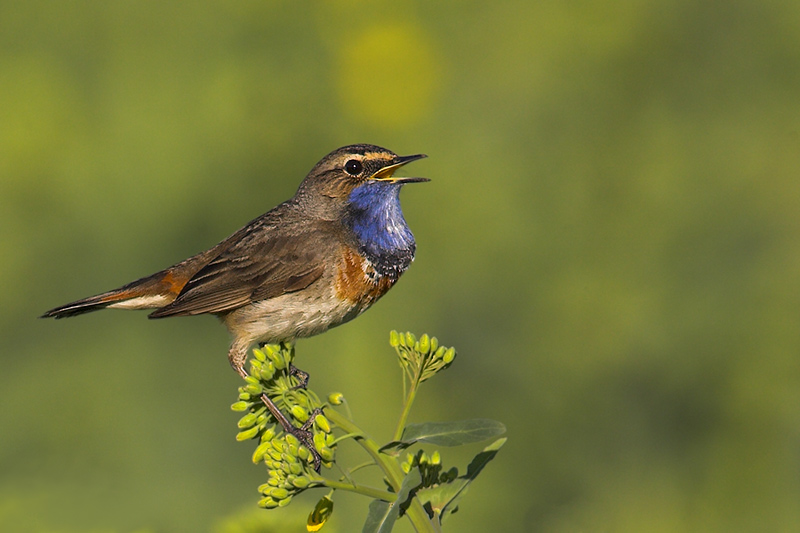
359	172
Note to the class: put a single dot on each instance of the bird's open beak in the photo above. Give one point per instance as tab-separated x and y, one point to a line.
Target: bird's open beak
387	173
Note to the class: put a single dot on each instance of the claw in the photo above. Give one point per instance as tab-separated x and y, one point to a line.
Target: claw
300	376
303	434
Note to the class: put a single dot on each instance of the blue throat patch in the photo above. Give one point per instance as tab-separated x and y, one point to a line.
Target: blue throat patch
377	221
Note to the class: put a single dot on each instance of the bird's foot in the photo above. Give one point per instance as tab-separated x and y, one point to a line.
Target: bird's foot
301	376
303	433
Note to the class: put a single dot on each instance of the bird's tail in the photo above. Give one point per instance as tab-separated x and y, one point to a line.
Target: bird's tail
151	292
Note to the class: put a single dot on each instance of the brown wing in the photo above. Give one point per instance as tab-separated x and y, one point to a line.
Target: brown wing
259	265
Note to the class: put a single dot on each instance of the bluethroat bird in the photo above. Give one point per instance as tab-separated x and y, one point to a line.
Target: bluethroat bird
315	261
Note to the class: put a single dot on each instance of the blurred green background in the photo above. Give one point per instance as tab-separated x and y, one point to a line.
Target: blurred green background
610	239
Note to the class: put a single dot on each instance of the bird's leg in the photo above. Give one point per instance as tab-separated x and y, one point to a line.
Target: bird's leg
303	433
302	381
237	357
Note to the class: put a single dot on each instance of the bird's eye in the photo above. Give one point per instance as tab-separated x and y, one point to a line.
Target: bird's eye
353	167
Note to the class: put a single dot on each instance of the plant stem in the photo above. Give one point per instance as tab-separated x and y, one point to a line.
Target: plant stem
391	469
401	424
360	489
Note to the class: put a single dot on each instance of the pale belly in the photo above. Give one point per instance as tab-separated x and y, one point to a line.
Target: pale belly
290	316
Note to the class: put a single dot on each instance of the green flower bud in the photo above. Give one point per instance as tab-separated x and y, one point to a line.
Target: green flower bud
301	482
267	371
322	423
394	339
299	397
434	344
449	355
280	360
319	440
291	440
265	488
241	406
299	412
335	398
252	389
410	339
259	452
330	439
303	453
325	453
273	353
244	395
247	434
259	355
247	421
285	502
275	454
270	350
279	493
288	459
436	458
424	344
268	434
296	469
268	503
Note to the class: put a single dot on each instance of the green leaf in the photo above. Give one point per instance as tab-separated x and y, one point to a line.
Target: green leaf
480	460
412	480
376	519
383	515
447	433
444	498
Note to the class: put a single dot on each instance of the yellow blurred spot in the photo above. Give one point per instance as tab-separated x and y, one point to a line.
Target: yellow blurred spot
320	514
388	75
